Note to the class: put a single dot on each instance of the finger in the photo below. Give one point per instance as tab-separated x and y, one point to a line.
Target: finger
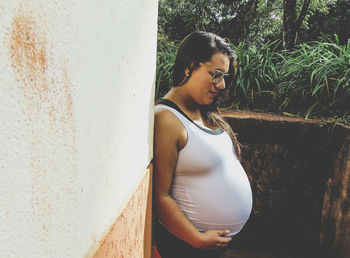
221	244
224	239
223	232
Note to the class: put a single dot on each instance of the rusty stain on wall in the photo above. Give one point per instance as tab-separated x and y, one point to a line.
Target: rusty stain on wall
28	54
126	238
45	96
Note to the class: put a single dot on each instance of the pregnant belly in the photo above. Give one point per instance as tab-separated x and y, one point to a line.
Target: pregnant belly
220	202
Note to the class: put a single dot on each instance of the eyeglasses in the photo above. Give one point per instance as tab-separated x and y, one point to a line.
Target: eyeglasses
217	75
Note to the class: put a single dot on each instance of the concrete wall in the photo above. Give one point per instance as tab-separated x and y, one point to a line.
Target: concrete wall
299	172
76	97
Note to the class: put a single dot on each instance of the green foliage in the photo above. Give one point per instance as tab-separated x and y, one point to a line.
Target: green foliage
313	80
166	54
229	18
256	75
177	18
336	20
255	21
267	23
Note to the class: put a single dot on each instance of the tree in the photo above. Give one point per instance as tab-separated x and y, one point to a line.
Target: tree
255	21
335	21
229	18
292	23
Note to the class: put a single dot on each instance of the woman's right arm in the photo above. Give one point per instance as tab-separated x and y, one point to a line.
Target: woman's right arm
169	137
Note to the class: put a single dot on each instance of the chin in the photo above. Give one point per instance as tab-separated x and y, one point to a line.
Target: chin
208	102
205	101
211	100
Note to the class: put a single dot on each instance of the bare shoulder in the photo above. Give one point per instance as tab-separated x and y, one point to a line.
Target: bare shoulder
164	117
169	126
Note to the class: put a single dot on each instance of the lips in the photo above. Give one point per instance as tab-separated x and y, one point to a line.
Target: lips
213	93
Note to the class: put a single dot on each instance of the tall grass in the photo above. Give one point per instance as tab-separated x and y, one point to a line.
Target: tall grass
315	79
256	76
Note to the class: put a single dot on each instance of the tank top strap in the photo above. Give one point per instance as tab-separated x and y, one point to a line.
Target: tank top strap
186	121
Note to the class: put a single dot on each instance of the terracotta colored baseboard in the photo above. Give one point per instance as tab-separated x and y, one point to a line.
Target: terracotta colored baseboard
131	234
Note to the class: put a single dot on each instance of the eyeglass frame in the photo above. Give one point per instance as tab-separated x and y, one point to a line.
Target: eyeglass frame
217	71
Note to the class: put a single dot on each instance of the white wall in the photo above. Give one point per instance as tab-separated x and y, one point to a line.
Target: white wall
76	94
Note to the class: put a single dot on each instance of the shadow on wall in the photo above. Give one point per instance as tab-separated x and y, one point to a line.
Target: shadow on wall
299	172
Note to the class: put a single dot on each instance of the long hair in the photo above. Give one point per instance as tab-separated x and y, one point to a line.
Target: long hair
199	47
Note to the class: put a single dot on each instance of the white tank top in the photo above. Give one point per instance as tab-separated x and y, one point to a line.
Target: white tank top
209	185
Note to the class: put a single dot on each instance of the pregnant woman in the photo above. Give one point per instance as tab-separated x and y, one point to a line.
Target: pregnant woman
202	195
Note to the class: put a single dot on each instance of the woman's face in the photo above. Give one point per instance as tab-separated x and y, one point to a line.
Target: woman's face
202	89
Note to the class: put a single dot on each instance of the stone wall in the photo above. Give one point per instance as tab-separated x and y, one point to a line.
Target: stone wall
299	172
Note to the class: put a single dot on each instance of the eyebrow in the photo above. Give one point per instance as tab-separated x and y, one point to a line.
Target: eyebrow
222	71
219	69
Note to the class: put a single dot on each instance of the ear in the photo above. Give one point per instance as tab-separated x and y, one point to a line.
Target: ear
188	69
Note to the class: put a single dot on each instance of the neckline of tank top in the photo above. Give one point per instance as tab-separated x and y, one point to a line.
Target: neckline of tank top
173	105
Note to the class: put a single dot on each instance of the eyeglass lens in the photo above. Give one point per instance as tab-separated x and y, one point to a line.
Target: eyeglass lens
218	76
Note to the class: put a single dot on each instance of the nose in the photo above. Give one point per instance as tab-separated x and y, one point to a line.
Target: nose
220	85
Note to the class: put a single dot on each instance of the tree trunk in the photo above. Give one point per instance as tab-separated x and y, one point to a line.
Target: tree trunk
292	24
289	23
